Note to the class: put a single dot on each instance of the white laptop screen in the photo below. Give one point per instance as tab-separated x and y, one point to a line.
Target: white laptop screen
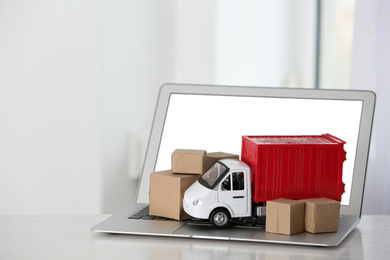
216	123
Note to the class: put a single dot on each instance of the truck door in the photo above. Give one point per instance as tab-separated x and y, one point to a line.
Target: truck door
233	192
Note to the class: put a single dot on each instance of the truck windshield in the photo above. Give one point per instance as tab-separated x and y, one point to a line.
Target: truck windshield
210	178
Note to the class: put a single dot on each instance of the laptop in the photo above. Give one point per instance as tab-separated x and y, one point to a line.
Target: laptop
214	118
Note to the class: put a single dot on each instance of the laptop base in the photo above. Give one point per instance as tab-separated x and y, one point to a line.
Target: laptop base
120	223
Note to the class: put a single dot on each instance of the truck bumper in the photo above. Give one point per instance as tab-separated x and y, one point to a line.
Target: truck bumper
193	211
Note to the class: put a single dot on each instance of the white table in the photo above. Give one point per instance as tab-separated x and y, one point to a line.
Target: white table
69	237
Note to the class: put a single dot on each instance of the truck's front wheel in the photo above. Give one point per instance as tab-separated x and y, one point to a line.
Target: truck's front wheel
220	218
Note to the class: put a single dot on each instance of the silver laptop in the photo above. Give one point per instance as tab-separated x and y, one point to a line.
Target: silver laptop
213	118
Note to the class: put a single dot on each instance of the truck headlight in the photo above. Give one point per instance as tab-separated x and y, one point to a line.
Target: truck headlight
197	202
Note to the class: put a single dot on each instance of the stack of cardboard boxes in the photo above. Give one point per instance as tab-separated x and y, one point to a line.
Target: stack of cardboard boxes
167	187
286	216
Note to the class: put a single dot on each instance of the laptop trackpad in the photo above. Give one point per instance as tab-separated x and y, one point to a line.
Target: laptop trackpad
207	231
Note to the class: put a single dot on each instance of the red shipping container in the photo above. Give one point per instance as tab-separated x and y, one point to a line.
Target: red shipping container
295	167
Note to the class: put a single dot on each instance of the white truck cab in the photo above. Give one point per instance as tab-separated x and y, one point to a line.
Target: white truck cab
221	193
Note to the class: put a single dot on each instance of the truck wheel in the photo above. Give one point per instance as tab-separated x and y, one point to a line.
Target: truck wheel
220	218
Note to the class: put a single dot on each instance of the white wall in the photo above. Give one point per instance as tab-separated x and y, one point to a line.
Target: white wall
193	45
138	53
337	30
79	81
244	52
370	70
265	43
50	113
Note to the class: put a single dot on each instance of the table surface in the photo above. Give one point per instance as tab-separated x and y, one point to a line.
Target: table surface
69	237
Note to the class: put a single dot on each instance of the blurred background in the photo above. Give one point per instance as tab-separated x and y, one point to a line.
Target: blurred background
79	80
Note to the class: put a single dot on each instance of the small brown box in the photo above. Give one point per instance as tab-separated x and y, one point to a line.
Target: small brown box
167	192
321	215
188	161
285	216
212	158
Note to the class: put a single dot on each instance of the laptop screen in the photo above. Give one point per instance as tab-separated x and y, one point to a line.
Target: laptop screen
216	123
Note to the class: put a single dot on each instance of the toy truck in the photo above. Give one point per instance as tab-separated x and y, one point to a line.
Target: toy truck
271	167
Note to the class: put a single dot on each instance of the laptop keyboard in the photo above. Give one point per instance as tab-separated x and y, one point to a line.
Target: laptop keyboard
143	214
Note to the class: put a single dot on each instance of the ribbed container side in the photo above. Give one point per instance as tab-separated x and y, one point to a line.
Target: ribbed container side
294	170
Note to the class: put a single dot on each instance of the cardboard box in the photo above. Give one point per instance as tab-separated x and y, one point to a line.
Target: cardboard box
212	158
321	215
167	192
188	161
285	216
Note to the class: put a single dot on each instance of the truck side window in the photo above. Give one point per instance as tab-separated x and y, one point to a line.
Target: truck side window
238	180
226	184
